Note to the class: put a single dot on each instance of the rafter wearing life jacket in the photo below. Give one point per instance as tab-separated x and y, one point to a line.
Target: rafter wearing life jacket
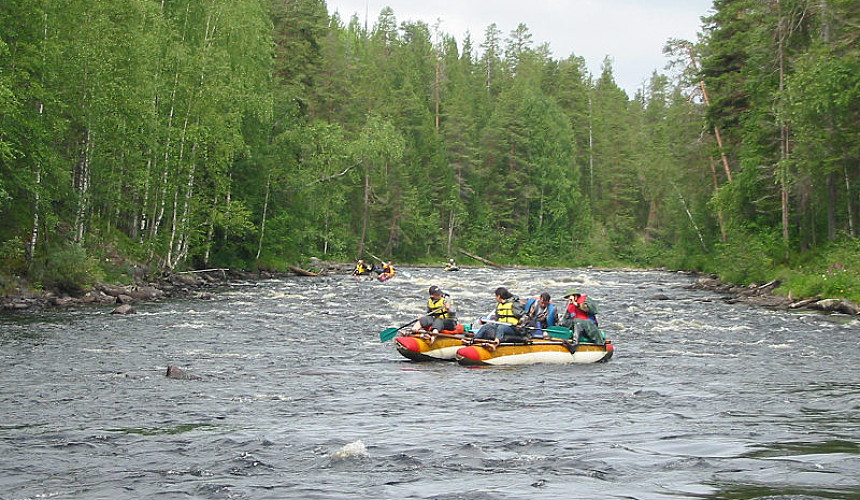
436	307
510	311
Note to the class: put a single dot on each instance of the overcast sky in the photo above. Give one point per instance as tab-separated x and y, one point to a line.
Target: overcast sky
631	32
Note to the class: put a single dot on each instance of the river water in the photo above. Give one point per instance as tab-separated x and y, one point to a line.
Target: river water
299	399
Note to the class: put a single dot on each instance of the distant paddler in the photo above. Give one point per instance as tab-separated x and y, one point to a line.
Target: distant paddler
362	268
387	271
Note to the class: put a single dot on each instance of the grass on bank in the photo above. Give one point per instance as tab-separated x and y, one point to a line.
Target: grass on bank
831	271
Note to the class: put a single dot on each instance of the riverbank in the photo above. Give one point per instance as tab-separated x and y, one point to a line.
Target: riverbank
199	284
763	295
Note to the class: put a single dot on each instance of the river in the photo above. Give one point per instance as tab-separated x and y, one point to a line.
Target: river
298	398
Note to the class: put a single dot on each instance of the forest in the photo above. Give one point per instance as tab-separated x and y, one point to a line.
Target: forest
145	136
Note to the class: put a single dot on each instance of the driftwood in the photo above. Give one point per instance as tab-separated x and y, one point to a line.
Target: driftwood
803	303
837	305
301	271
481	259
762	295
375	257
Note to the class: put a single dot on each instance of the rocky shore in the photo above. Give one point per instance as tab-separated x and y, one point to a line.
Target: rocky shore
197	284
762	295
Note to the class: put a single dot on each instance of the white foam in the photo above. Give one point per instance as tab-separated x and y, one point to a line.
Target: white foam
351	450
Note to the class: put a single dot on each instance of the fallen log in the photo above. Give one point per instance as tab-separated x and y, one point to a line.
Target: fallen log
301	271
837	305
480	259
803	303
222	269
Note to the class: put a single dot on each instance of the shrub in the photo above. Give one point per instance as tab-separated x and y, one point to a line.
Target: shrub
830	272
748	257
12	258
69	269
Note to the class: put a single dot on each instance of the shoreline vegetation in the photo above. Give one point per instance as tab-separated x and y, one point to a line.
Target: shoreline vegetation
198	284
298	133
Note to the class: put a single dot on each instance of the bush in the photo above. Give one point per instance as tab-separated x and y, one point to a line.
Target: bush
69	269
830	272
748	257
12	257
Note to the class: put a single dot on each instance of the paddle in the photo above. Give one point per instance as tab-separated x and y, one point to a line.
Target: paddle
559	332
390	333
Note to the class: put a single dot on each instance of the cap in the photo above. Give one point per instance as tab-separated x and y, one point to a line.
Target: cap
435	290
572	291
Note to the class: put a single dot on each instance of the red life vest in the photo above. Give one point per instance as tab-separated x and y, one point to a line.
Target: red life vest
576	312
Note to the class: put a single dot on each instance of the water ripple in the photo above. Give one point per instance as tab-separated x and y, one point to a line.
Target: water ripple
297	398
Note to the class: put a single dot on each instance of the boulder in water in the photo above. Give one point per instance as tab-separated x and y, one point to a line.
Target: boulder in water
177	373
123	309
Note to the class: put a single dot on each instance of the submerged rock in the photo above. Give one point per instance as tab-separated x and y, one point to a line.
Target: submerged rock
124	309
176	373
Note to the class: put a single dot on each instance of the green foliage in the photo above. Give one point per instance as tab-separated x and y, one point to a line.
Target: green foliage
12	257
749	256
829	272
68	268
251	134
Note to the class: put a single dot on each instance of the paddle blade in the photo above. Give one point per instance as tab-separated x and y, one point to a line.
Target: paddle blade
388	334
559	332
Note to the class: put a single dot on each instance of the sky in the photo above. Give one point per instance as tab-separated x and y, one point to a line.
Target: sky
631	32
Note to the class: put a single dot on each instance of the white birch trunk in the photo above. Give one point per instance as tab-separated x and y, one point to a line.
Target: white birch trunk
784	145
263	221
34	234
590	153
160	201
690	216
851	230
182	245
174	220
180	231
82	187
37	192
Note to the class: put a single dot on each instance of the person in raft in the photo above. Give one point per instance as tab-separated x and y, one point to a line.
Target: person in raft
387	271
540	313
441	313
451	265
581	317
503	324
362	268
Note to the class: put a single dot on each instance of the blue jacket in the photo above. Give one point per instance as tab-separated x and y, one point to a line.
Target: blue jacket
551	316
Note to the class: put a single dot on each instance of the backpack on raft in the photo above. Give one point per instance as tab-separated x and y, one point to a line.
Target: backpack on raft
591	307
518	308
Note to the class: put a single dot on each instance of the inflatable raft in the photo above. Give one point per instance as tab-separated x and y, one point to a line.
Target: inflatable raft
424	346
538	351
427	347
